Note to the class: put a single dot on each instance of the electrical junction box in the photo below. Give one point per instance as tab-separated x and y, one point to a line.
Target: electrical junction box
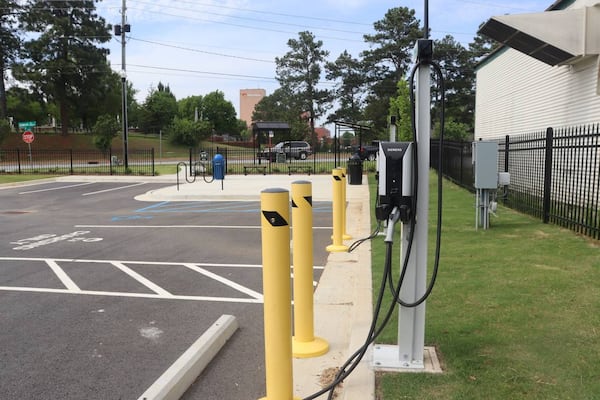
503	179
395	166
485	164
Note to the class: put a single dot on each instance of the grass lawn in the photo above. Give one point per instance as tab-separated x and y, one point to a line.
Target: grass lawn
515	313
22	178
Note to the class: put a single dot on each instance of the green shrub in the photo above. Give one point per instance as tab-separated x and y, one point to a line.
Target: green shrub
105	129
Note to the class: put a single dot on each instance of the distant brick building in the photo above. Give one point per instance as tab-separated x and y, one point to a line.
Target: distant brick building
323	134
249	98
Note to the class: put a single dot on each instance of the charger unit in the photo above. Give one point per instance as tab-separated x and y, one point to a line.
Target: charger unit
395	171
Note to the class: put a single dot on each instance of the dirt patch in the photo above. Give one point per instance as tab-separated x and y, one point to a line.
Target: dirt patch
327	376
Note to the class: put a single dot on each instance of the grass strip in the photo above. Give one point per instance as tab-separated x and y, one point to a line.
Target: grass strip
514	314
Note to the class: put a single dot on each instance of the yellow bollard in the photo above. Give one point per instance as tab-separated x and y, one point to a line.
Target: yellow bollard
275	230
345	235
304	342
338	213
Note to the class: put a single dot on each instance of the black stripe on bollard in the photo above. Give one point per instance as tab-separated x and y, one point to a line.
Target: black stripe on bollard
337	178
274	218
308	200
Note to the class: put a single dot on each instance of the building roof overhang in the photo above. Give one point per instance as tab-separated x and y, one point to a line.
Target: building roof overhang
559	37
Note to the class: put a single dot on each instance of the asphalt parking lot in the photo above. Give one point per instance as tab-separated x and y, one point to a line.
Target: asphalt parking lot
100	293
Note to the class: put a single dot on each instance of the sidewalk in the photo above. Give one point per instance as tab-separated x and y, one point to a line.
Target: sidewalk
343	298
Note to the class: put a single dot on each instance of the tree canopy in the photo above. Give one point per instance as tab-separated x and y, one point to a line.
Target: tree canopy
159	109
63	59
350	77
282	106
53	49
299	73
10	43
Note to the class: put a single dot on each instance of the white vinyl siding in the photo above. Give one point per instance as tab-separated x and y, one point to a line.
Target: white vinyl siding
518	94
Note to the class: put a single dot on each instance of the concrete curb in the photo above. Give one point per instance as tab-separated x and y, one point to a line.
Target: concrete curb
183	372
343	311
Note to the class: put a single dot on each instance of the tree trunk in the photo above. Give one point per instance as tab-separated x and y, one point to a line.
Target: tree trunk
64	118
3	102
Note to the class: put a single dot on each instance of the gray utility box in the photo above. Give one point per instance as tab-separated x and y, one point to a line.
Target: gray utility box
485	164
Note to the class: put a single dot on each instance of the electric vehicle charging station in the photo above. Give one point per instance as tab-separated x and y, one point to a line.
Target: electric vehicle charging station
395	166
404	196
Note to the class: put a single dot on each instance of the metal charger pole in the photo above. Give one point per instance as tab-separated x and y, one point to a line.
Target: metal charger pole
411	321
408	355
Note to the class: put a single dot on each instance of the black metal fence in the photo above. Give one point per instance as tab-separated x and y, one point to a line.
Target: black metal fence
457	161
246	161
554	174
75	162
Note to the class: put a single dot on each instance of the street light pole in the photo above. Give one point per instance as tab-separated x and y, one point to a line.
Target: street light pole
124	113
124	29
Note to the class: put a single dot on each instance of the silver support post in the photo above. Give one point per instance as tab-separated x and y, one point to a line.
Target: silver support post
409	353
411	321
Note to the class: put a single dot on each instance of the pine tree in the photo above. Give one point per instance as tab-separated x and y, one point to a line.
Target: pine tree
350	76
299	72
63	60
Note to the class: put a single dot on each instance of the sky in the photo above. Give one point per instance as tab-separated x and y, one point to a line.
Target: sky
200	46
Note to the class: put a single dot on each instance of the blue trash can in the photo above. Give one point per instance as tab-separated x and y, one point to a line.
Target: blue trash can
218	164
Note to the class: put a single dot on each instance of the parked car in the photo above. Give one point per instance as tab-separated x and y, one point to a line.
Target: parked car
296	149
367	152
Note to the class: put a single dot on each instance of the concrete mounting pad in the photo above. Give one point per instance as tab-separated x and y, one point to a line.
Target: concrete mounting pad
387	358
183	372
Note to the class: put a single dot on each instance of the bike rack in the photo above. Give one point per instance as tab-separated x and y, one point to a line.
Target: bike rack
192	177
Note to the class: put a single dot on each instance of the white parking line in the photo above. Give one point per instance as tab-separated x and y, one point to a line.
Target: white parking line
132	295
57	188
61	274
81	260
112	189
185	226
225	281
150	285
171	226
159	293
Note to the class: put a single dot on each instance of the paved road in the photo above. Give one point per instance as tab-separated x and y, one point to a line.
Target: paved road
100	293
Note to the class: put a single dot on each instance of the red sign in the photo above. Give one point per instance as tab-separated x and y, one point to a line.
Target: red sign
28	136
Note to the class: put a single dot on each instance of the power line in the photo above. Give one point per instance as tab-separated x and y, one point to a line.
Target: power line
204	72
221	74
202	51
239	25
263	12
254	19
187	74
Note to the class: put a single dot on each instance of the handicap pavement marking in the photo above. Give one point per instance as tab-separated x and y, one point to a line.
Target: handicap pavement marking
56	265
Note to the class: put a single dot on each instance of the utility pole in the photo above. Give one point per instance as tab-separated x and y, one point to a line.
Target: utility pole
121	30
